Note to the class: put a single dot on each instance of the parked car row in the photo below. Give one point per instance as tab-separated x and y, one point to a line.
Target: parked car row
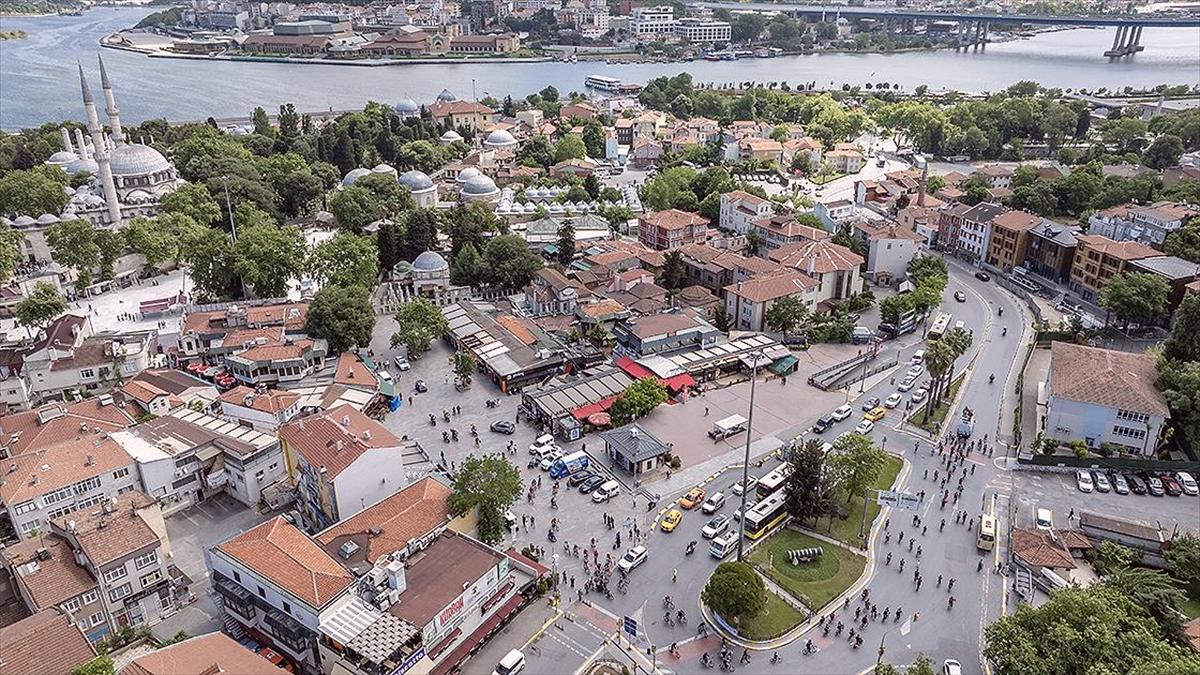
1137	482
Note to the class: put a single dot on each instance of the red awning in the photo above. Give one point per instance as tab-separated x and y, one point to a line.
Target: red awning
679	382
482	633
636	370
582	412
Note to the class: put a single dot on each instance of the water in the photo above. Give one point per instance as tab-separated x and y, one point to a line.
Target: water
38	81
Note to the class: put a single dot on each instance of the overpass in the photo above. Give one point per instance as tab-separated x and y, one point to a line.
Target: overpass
973	27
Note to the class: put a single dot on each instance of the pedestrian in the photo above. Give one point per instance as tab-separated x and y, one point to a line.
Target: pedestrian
924	529
706	411
939	581
950	585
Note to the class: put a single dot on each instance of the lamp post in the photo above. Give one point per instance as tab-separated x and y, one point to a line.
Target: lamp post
754	357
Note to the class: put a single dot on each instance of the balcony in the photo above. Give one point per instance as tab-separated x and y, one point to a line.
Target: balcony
290	634
237	600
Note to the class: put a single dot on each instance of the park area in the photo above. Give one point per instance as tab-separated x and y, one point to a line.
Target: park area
812	583
776	618
846	529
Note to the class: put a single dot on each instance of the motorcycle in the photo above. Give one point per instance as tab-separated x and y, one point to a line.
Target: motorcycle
445	437
691	548
491	403
432	420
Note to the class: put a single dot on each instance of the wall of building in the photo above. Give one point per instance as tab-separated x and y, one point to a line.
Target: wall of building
377	473
1068	420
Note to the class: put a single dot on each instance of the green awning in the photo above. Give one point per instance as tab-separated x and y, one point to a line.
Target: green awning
784	365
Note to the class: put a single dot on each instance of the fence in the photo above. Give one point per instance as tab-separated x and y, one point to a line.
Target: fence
1118	463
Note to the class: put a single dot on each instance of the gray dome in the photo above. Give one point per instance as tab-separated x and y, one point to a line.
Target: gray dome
47	219
62	157
406	106
479	185
446	96
416	180
429	261
24	221
467	174
354	175
82	166
135	159
384	168
451	136
499	139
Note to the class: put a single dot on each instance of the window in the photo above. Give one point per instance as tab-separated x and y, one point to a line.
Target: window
90	597
143	561
1132	416
1128	432
120	592
57	496
287	607
86	485
120	473
152	578
32	525
87	372
237	577
127	488
262	593
27	507
115	573
97	619
71	606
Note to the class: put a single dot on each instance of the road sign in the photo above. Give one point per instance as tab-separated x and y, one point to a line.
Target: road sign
630	626
908	501
898	500
888	498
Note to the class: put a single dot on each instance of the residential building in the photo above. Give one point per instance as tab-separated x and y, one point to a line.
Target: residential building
211	334
46	643
923	220
1098	259
805	147
201	655
1103	396
1177	272
665	230
274	583
552	294
782	229
469	114
157	390
950	220
834	268
1009	244
647	22
757	149
89	363
836	213
1149	224
974	230
264	410
890	247
274	364
747	302
663	334
340	461
54	423
1051	251
739	209
47	578
998	176
699	30
844	158
54	480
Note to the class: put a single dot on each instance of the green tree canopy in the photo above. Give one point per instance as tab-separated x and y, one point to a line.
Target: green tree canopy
43	305
809	487
73	244
638	399
735	591
1183	558
786	314
856	463
192	200
490	485
10	251
467	268
355	207
569	147
1163	153
31	193
342	316
1183	342
268	257
419	323
508	261
1135	296
346	259
153	238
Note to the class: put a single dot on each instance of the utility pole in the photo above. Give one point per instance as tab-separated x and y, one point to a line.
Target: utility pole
232	226
746	458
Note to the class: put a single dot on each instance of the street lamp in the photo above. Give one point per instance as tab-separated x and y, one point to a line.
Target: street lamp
754	358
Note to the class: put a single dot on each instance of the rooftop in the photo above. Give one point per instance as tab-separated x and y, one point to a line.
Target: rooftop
56	423
282	554
634	443
47	643
1125	250
391	523
335	439
817	257
106	536
1040	549
673	219
439	574
764	289
1105	377
53	579
1169	266
51	468
208	654
270	401
1020	221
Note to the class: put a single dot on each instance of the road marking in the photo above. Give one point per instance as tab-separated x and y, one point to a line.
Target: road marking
538	633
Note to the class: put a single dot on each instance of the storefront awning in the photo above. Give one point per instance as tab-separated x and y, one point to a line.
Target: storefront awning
582	412
785	365
482	633
636	370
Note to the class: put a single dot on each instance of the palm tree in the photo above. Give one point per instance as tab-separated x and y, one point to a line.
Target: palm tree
939	359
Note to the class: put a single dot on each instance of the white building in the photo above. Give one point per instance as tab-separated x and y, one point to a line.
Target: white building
1102	396
650	21
86	362
890	247
740	209
836	213
699	30
975	232
747	302
264	410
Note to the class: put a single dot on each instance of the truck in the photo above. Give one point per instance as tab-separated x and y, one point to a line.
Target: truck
576	461
729	426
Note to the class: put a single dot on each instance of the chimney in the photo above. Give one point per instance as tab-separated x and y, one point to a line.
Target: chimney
91	460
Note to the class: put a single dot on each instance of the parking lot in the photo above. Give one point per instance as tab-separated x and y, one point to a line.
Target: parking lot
1059	492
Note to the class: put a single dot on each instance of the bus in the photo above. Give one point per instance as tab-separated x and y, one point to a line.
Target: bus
773	481
939	327
987	533
766	514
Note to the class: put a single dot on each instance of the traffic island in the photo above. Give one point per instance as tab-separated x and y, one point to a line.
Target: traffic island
813	583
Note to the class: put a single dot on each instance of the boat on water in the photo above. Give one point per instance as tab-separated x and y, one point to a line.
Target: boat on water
611	84
725	55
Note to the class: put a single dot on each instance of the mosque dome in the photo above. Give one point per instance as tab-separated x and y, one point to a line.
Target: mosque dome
81	165
478	186
430	261
416	180
446	96
354	174
47	219
500	139
406	106
135	159
451	136
62	157
468	173
384	168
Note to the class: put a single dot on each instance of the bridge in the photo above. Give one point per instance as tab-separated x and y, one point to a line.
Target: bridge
973	27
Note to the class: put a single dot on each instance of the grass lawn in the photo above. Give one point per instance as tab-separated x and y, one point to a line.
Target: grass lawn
846	529
815	583
934	422
1191	606
776	619
823	178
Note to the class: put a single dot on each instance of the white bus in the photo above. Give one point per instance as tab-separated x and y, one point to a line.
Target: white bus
773	481
939	327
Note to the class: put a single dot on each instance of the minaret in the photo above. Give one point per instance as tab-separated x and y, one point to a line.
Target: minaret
110	106
83	153
101	153
66	139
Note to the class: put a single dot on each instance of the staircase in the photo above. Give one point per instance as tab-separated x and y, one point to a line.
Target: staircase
1023	582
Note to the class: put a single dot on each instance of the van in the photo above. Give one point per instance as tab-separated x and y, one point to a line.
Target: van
606	492
1044	520
512	663
723	545
861	335
544	439
918	358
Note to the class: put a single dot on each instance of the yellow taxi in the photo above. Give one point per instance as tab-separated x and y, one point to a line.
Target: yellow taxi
672	520
693	498
875	414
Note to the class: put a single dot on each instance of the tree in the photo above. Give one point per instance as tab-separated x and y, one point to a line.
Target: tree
471	224
921	666
73	244
467	269
343	316
1155	593
721	320
192	200
267	257
490	485
1135	296
892	307
392	197
785	314
1163	153
153	238
566	243
638	400
735	590
1184	242
420	233
1183	558
939	359
463	365
31	193
674	272
209	256
345	260
355	207
509	262
922	267
43	304
593	139
1180	384
10	251
385	244
1183	342
1111	557
101	665
809	490
856	463
1079	630
569	147
420	322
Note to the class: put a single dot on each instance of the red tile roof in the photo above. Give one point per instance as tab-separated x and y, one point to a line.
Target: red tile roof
673	219
817	257
58	578
774	287
46	643
282	554
1106	377
48	469
409	514
63	422
1125	250
108	536
209	654
270	401
336	438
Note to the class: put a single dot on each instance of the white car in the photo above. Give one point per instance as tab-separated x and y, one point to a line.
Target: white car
715	527
916	371
549	459
893	401
864	427
1187	483
907	384
385	376
512	663
632	558
842	413
918	395
1084	480
951	667
751	481
713	504
402	363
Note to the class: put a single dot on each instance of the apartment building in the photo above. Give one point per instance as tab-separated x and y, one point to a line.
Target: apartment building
214	331
264	410
1051	251
973	230
890	247
653	20
275	364
340	461
1009	244
845	158
663	334
664	230
46	643
158	390
1149	224
834	268
747	302
87	362
836	213
739	210
54	423
1098	259
703	31
998	176
782	229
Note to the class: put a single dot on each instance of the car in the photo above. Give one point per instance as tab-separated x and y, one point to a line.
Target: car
1187	483
577	479
503	427
916	370
632	558
751	483
715	527
421	387
951	667
1136	485
401	363
1120	485
893	400
384	375
672	520
1153	485
864	427
692	499
1043	519
918	396
822	425
960	296
1101	482
1084	480
591	484
875	414
907	384
549	459
713	504
917	357
512	663
870	403
1170	485
983	276
841	412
